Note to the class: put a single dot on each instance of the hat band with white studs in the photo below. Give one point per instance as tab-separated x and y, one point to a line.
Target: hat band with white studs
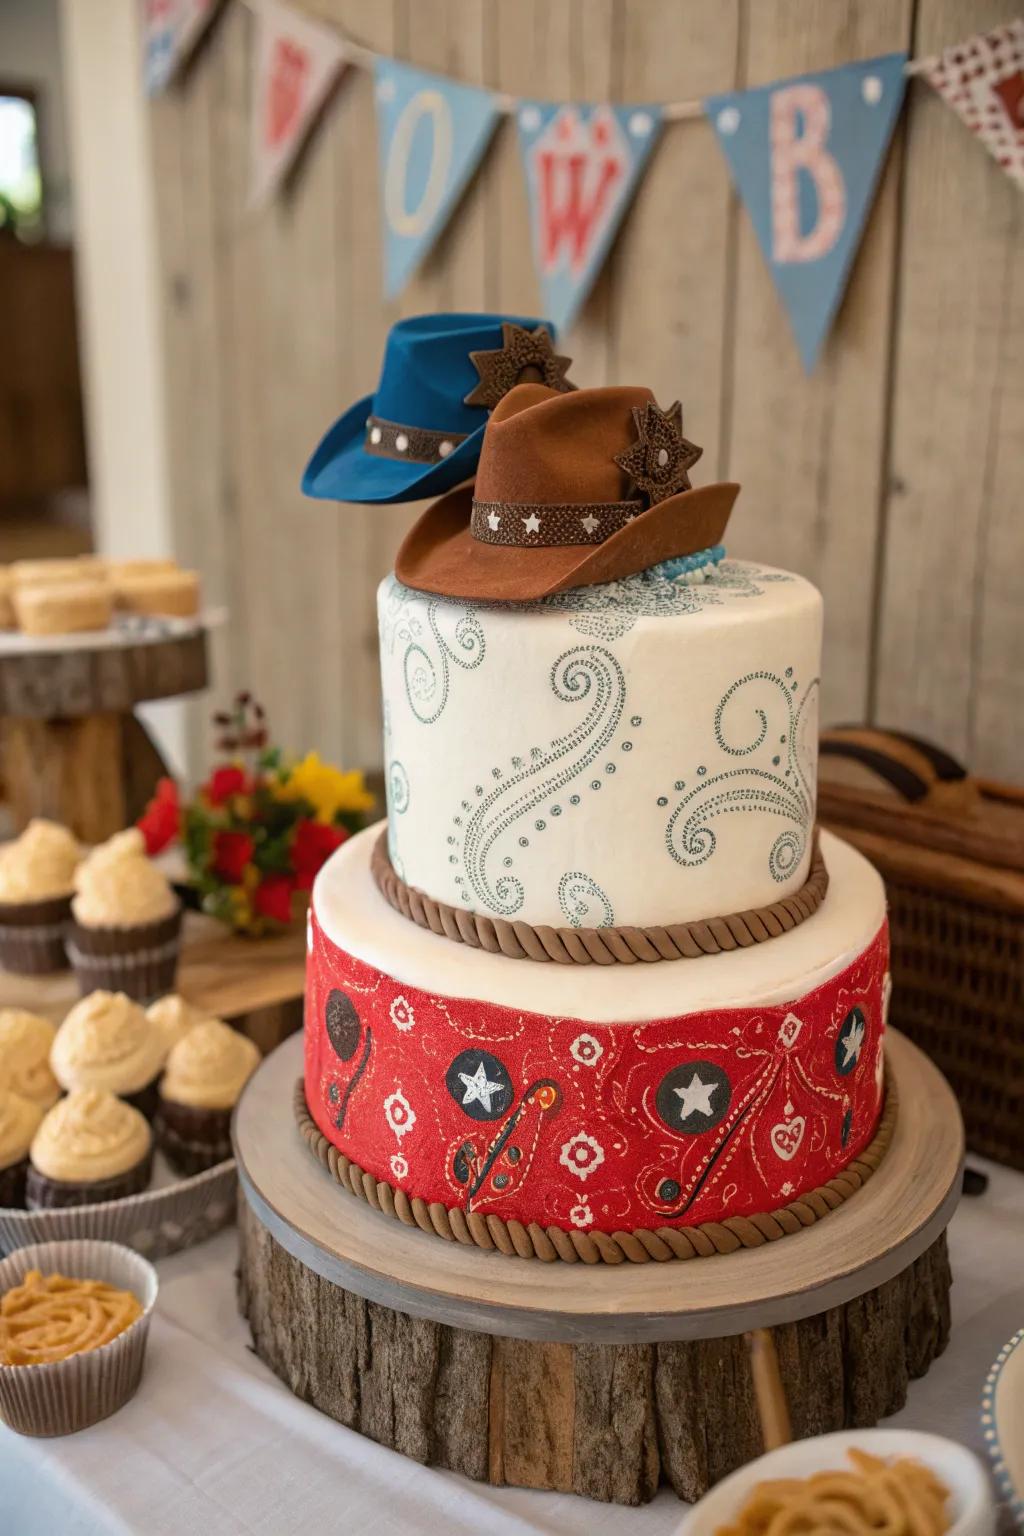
545	523
420	445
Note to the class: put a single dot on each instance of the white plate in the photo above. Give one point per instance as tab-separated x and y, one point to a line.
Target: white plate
173	1214
959	1469
1002	1421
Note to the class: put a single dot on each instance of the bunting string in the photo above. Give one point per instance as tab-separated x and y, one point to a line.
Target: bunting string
804	154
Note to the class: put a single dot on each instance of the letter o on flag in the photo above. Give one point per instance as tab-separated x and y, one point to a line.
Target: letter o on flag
415	221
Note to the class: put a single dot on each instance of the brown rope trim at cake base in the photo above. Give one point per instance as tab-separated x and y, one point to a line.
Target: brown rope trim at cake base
600	946
637	1247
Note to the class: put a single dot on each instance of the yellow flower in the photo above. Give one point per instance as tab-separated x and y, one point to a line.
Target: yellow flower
327	789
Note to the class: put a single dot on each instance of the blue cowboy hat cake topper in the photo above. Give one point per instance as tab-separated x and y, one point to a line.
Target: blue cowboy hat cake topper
420	433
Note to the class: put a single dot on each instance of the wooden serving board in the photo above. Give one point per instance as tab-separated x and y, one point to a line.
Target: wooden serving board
604	1380
256	984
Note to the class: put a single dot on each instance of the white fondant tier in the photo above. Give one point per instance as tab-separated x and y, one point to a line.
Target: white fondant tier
639	753
354	916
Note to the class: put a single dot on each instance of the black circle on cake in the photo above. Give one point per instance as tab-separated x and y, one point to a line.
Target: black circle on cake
343	1026
693	1097
850	1042
480	1085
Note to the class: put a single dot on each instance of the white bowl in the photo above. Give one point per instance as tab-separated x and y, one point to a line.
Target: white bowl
972	1508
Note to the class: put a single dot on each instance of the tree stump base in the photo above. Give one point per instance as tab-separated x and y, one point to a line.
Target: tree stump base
71	746
607	1381
609	1421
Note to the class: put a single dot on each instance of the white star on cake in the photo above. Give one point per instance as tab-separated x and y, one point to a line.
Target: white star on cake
479	1088
696	1098
852	1041
589	522
493	521
532	523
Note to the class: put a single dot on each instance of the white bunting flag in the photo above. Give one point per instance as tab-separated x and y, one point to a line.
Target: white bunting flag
296	62
982	79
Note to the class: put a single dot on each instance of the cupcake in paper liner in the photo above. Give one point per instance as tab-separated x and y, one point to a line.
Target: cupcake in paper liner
126	922
107	1042
206	1072
26	1040
74	1316
37	872
90	1148
19	1121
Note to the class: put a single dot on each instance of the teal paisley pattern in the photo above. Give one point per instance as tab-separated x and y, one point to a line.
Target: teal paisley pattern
587	675
610	611
747	722
430	652
583	902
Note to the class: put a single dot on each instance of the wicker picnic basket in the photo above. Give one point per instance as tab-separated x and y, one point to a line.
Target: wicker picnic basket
950	848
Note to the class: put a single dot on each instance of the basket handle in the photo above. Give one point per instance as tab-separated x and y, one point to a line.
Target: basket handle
921	773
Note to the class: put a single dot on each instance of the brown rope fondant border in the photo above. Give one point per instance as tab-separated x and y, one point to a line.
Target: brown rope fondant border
637	1247
600	946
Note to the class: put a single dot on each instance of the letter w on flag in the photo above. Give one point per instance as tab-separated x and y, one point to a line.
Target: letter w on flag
582	166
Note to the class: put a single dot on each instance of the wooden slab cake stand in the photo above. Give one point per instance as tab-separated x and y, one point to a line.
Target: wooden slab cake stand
71	746
600	1380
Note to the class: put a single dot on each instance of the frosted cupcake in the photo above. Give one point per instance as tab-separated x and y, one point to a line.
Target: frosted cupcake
206	1072
37	873
65	608
26	1041
174	1017
171	593
106	1042
126	929
90	1147
19	1121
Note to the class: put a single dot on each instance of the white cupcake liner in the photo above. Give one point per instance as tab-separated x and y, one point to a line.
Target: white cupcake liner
155	1223
68	1395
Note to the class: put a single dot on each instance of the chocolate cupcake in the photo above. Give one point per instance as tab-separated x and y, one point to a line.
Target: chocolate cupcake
26	1040
174	1017
206	1072
126	928
37	872
19	1121
106	1042
89	1148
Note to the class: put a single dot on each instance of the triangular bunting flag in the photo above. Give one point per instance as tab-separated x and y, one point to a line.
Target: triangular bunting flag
171	29
296	62
582	166
982	79
805	156
431	134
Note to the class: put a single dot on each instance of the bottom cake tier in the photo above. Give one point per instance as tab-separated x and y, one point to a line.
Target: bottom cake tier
597	1099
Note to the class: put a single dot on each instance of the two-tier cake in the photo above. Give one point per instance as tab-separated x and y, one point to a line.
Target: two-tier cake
598	978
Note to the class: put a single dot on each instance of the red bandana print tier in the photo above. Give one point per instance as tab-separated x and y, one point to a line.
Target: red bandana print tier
608	1126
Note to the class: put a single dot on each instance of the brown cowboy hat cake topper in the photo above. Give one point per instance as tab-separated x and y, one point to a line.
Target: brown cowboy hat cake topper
572	490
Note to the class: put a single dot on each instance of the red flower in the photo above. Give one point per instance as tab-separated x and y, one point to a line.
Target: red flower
160	822
273	898
312	847
232	851
224	782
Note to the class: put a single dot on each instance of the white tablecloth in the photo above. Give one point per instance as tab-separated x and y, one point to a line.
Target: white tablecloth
214	1445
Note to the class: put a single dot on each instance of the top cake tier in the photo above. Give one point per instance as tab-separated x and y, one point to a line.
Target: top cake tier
634	754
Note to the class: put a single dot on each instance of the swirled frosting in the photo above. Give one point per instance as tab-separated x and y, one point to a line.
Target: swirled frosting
39	864
174	1017
25	1044
209	1067
127	844
49	1317
121	891
107	1042
89	1136
19	1121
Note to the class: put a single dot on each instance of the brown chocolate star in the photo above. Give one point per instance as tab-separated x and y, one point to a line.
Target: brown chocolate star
658	464
524	357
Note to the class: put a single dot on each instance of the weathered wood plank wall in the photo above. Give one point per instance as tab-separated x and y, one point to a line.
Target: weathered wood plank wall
894	477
